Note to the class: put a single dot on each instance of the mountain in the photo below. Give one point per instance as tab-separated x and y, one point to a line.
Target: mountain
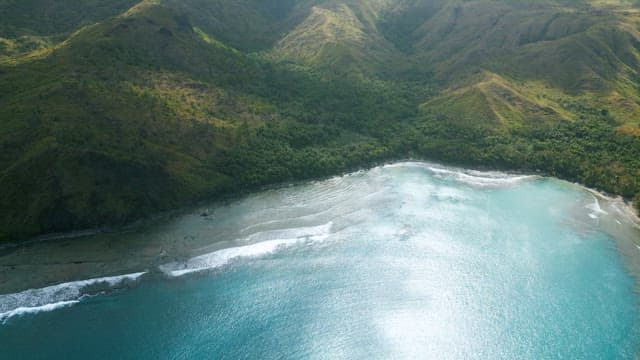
111	111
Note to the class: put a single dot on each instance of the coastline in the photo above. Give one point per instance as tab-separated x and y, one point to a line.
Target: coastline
628	207
221	199
29	265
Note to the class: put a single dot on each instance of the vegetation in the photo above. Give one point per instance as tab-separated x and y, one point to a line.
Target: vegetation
112	111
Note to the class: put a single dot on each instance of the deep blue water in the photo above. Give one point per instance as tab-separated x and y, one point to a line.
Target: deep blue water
401	262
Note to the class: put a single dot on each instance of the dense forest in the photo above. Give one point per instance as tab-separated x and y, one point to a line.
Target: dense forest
111	111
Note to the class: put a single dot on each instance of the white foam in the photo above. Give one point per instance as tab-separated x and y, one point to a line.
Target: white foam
624	210
470	177
479	178
54	297
595	207
596	210
23	310
222	257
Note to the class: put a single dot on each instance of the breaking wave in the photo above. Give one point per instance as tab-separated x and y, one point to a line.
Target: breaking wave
57	296
219	258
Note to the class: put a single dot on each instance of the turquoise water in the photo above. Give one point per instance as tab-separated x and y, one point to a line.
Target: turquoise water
400	262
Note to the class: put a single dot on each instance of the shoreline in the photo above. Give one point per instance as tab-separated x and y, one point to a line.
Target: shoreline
628	207
30	265
236	195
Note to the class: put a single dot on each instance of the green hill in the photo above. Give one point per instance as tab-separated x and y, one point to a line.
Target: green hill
114	111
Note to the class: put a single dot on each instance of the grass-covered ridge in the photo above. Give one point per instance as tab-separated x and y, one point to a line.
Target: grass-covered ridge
121	110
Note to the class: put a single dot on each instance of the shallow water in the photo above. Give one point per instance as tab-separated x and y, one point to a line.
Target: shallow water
410	260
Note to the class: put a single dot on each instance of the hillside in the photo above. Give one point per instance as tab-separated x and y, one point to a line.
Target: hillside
113	111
